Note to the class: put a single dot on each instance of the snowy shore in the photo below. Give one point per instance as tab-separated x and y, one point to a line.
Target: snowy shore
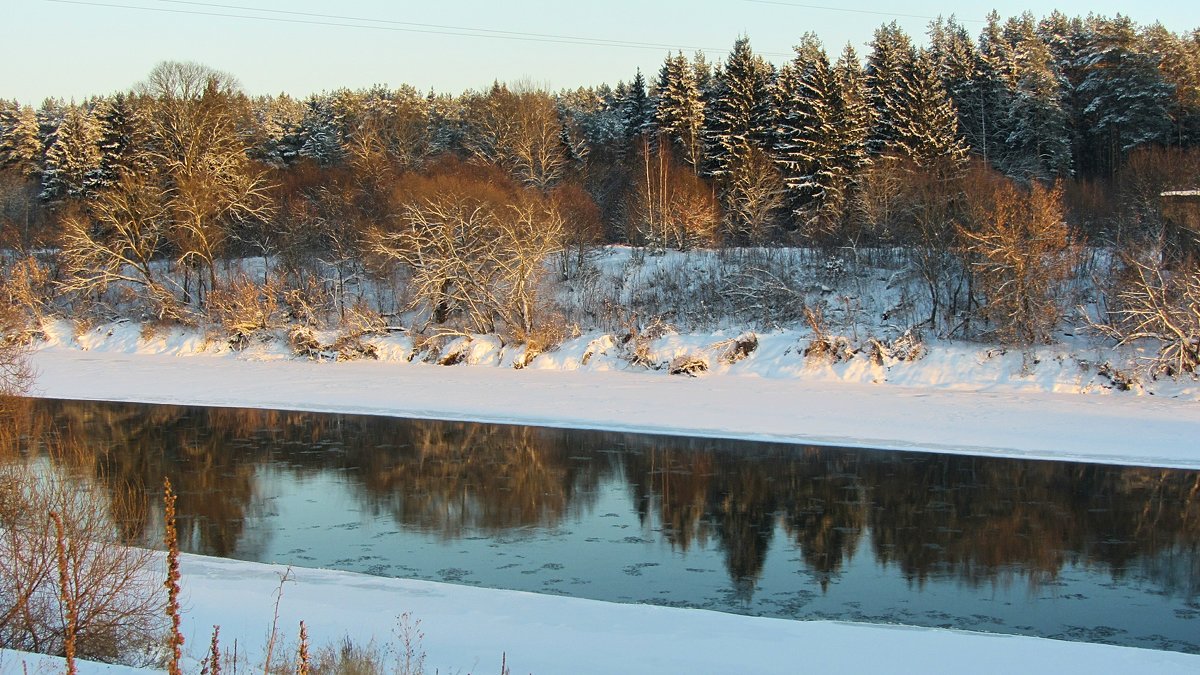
468	629
932	405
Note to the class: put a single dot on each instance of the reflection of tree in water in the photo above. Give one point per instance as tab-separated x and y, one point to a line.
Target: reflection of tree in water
131	449
979	520
454	477
824	508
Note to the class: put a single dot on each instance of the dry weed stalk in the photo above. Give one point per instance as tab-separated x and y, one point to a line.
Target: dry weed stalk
64	586
302	649
171	540
283	579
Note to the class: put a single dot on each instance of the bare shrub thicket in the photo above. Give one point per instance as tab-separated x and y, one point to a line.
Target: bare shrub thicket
476	247
112	588
1022	256
244	307
16	375
671	207
1162	305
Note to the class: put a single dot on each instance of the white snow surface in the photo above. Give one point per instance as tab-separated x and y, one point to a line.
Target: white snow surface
958	399
469	629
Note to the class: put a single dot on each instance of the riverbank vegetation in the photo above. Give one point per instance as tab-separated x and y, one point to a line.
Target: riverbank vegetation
1035	179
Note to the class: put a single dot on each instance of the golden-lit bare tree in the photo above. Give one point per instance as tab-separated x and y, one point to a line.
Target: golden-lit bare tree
209	180
671	207
1023	254
519	129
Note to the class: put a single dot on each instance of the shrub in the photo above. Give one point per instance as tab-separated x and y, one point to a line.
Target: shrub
111	587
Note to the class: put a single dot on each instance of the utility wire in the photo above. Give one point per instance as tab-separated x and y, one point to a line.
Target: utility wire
338	21
854	11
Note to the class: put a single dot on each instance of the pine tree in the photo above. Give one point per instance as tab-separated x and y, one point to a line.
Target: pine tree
925	122
1039	141
807	143
20	140
679	108
1127	100
73	158
1179	64
739	124
889	66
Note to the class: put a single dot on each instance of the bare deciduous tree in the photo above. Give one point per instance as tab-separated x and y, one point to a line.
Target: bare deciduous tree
195	145
118	243
518	129
1161	305
1024	253
475	247
671	207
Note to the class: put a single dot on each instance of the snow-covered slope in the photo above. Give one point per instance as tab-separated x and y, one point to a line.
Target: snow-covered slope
470	630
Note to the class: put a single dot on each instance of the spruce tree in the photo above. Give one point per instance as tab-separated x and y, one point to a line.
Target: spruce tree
853	112
739	124
925	122
321	138
679	108
807	147
636	106
889	67
20	140
739	113
73	158
123	127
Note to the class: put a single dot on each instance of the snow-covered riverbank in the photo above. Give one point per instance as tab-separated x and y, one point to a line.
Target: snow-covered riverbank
469	630
960	416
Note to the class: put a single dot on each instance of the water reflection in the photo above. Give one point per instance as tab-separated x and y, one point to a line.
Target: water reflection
924	519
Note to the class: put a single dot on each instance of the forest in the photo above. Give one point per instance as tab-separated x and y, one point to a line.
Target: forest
1002	173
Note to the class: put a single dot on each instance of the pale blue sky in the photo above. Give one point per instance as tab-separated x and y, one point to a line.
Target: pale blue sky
74	49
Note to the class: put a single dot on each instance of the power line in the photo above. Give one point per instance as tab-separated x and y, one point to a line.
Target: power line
338	21
854	11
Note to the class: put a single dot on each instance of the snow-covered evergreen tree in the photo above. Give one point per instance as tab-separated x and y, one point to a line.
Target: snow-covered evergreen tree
740	111
1127	101
853	113
321	131
679	108
1179	63
277	137
636	106
739	126
73	159
122	126
807	145
1039	139
925	122
20	140
973	77
889	67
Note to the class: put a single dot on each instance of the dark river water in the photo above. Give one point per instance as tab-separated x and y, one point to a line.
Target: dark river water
1073	551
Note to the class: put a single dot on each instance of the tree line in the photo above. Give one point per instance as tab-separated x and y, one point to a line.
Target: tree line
990	159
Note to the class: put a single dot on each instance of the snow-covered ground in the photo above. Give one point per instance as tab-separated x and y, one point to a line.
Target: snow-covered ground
469	630
958	399
953	400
